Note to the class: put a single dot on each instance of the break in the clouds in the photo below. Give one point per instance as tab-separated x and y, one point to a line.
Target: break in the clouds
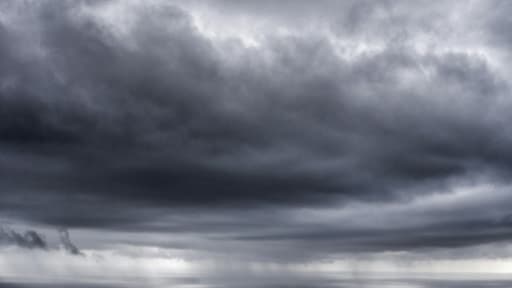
257	132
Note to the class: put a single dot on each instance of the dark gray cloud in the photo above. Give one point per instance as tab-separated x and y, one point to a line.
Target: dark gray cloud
121	128
32	239
66	242
329	240
29	239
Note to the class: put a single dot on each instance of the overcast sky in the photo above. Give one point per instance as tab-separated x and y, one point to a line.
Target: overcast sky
215	143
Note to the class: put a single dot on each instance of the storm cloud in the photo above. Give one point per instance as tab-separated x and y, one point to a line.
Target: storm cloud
290	131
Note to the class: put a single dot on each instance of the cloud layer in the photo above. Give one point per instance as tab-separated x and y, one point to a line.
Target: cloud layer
283	131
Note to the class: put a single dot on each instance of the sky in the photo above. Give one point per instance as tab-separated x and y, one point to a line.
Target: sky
255	143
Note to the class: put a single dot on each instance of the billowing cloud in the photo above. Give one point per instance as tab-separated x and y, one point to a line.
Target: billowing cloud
290	131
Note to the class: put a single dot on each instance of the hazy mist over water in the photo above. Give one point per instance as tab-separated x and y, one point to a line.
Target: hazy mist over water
396	283
339	280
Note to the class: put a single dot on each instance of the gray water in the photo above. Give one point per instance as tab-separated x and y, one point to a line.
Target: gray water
450	282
